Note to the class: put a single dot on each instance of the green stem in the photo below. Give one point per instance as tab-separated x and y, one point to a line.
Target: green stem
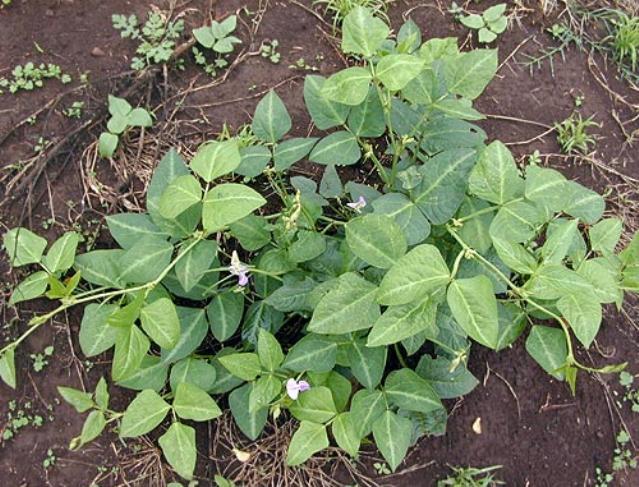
400	357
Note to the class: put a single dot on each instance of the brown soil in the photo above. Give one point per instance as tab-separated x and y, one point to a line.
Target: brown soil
531	425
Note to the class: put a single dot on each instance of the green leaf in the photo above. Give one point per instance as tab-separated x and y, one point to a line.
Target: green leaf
349	307
23	246
367	119
330	184
395	71
254	160
92	428
269	350
146	260
215	159
253	232
243	365
224	28
491	14
228	203
143	414
603	278
180	195
292	296
475	232
496	178
96	336
339	148
204	36
32	287
271	120
461	109
407	390
345	433
139	117
290	151
311	353
362	33
348	86
307	246
195	264
515	256
367	406
127	228
444	134
191	402
400	322
414	276
486	36
131	346
546	187
443	185
178	446
470	72
80	400
392	434
560	236
264	390
367	363
605	235
126	315
406	214
325	113
447	379
473	304
314	405
472	21
225	314
548	347
151	374
552	281
583	203
107	144
61	255
341	389
197	372
160	321
118	106
517	221
101	394
251	423
117	124
512	322
583	313
409	36
8	368
306	441
376	239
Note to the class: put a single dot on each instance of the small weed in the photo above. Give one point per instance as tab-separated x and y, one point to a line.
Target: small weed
573	136
123	116
471	477
50	460
40	360
75	110
381	468
603	479
489	24
218	39
302	65
40	145
32	120
624	458
631	395
339	9
157	37
625	39
18	418
268	49
28	77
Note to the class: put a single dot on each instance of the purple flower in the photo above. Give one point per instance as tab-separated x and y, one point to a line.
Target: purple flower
294	387
358	205
237	268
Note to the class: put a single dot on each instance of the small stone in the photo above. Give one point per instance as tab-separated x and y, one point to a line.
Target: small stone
477	426
48	12
97	52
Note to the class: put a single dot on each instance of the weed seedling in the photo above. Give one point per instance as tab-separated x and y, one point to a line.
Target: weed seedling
123	116
302	65
381	468
268	49
217	39
28	77
471	477
489	24
75	110
40	360
624	458
18	418
339	9
50	460
631	395
573	136
625	39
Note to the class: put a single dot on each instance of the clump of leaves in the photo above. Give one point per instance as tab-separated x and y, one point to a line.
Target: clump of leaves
269	50
19	417
573	136
156	37
218	39
41	360
29	76
123	117
339	9
488	24
625	38
624	457
298	306
75	110
631	394
471	477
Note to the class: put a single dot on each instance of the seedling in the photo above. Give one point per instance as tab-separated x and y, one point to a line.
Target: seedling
625	38
50	460
381	468
573	136
40	360
489	24
268	49
339	9
471	477
157	37
631	394
302	65
624	458
29	77
217	39
19	418
417	269
75	110
123	117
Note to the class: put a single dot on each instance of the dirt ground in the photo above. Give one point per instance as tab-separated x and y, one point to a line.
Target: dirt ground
531	424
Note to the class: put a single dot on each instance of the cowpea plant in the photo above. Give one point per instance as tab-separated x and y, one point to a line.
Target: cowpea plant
352	307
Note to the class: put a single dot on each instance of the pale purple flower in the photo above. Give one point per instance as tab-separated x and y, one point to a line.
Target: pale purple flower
357	205
294	387
237	268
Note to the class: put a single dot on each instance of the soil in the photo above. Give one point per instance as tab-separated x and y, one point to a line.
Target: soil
530	424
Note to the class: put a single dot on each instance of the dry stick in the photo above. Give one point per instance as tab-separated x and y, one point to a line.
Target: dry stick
530	141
